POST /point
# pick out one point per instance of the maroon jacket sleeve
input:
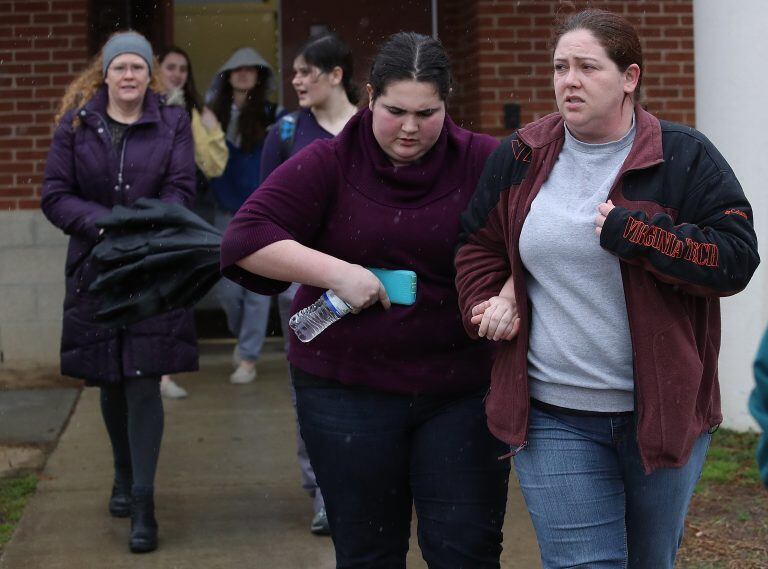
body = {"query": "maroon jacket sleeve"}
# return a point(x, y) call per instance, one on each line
point(290, 204)
point(61, 201)
point(482, 259)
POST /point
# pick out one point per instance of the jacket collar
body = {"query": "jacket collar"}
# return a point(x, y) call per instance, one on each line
point(98, 104)
point(646, 149)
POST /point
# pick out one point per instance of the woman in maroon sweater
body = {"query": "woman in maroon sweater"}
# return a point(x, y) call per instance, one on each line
point(389, 398)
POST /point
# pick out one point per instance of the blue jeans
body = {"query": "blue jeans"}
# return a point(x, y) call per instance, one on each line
point(377, 455)
point(591, 504)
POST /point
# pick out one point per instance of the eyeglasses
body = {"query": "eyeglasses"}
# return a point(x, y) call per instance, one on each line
point(122, 68)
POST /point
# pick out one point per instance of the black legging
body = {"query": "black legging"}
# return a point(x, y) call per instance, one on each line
point(133, 414)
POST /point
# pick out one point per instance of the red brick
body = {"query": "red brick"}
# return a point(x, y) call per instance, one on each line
point(678, 56)
point(64, 5)
point(645, 33)
point(28, 204)
point(663, 93)
point(16, 193)
point(521, 94)
point(29, 6)
point(48, 43)
point(662, 20)
point(17, 19)
point(50, 68)
point(55, 18)
point(31, 155)
point(678, 105)
point(35, 55)
point(68, 30)
point(31, 31)
point(50, 93)
point(43, 105)
point(16, 94)
point(43, 118)
point(44, 142)
point(662, 44)
point(534, 81)
point(678, 80)
point(642, 7)
point(17, 168)
point(678, 32)
point(33, 80)
point(516, 70)
point(15, 43)
point(13, 143)
point(533, 33)
point(661, 68)
point(9, 205)
point(514, 21)
point(650, 80)
point(678, 8)
point(13, 69)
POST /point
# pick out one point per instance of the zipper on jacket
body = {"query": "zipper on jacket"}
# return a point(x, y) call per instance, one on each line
point(122, 163)
point(105, 126)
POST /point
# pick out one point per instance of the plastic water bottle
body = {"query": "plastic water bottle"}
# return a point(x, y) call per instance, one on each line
point(310, 321)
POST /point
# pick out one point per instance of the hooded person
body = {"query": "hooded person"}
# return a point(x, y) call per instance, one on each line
point(238, 98)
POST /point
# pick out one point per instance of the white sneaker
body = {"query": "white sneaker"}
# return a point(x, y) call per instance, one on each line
point(171, 390)
point(243, 375)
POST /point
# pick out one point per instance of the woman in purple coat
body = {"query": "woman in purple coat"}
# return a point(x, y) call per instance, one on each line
point(116, 142)
point(389, 399)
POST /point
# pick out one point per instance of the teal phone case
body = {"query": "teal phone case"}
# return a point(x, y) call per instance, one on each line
point(400, 284)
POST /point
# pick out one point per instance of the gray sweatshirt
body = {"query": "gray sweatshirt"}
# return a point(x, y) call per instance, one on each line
point(580, 354)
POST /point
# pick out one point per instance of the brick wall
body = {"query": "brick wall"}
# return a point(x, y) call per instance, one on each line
point(499, 50)
point(457, 21)
point(509, 61)
point(42, 46)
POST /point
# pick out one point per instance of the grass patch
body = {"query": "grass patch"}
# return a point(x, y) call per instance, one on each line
point(731, 460)
point(14, 493)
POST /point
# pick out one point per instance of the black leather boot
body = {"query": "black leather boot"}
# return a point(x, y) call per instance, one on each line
point(143, 524)
point(120, 501)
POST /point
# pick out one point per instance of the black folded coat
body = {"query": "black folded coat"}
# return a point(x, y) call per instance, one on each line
point(153, 258)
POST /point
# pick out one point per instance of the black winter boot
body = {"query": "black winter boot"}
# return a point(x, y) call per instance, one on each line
point(143, 524)
point(120, 501)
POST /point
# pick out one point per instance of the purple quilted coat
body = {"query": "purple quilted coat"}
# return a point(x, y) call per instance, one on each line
point(84, 178)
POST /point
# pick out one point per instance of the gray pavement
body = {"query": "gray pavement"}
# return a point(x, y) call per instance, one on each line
point(228, 488)
point(34, 416)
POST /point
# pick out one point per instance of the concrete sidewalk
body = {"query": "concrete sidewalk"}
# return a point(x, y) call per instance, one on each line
point(228, 488)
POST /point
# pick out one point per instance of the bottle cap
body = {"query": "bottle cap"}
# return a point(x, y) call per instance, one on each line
point(336, 304)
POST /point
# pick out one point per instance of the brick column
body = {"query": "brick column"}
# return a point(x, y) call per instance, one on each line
point(43, 46)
